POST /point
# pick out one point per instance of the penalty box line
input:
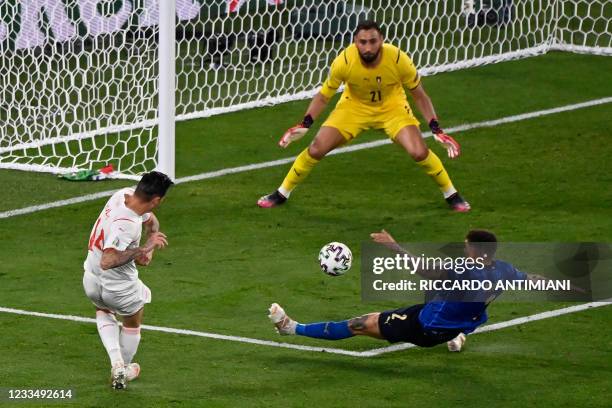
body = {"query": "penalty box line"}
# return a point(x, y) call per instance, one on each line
point(280, 162)
point(331, 350)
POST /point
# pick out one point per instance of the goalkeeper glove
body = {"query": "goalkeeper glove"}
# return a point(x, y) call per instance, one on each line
point(296, 132)
point(450, 144)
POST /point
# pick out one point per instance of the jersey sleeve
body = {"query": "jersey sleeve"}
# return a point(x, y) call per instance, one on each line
point(337, 75)
point(517, 275)
point(146, 217)
point(508, 272)
point(122, 234)
point(408, 73)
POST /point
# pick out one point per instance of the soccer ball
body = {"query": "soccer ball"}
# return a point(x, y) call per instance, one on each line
point(335, 258)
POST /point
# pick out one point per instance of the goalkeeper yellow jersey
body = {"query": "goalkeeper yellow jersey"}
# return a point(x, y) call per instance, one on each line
point(378, 87)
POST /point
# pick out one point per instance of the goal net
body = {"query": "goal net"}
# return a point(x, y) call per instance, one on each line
point(584, 26)
point(80, 79)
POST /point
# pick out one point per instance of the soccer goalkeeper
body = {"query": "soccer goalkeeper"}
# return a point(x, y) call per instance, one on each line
point(374, 74)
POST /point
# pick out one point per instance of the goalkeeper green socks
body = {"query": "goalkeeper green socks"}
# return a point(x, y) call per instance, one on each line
point(302, 166)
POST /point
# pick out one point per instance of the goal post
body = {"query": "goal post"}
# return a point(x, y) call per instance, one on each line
point(86, 83)
point(167, 79)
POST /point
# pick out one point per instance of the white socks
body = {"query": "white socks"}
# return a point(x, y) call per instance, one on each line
point(129, 340)
point(449, 192)
point(108, 329)
point(286, 193)
point(120, 347)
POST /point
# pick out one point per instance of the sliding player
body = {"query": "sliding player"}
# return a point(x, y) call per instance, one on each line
point(442, 319)
point(374, 74)
point(111, 278)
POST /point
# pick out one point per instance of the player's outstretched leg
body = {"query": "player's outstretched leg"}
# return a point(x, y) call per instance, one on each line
point(411, 140)
point(284, 324)
point(325, 141)
point(366, 325)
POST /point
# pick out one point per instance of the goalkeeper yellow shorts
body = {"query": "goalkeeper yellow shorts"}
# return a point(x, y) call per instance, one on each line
point(351, 118)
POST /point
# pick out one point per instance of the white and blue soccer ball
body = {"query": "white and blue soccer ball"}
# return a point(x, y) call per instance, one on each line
point(335, 258)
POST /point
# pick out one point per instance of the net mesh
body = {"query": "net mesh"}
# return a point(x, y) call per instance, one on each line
point(78, 78)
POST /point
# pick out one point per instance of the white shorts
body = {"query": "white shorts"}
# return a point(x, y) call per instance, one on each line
point(124, 303)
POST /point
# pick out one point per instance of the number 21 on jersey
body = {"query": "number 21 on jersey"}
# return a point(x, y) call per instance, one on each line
point(377, 95)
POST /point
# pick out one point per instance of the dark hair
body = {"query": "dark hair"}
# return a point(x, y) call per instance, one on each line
point(368, 25)
point(153, 184)
point(483, 241)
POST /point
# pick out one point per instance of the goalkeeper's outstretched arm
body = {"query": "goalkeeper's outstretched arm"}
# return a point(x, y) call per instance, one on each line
point(423, 103)
point(317, 105)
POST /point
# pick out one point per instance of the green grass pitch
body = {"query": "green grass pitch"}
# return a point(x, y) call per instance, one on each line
point(543, 179)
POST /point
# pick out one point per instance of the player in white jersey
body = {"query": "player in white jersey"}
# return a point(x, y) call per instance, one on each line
point(111, 278)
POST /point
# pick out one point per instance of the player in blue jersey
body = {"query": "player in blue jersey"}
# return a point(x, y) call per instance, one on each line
point(445, 318)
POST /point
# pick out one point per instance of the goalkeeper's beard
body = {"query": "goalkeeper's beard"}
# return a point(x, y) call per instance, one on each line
point(369, 58)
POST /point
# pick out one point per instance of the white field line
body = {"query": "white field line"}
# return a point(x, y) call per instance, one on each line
point(190, 333)
point(368, 353)
point(280, 162)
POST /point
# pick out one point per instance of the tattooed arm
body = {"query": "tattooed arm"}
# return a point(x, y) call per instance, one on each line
point(111, 258)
